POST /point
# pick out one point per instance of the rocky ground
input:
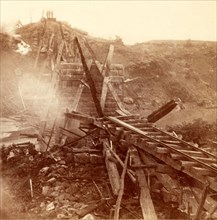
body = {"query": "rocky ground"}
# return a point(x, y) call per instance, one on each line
point(55, 185)
point(61, 184)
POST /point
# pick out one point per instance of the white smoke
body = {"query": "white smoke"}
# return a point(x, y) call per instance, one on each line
point(21, 46)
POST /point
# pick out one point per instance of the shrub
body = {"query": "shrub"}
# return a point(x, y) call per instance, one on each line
point(198, 129)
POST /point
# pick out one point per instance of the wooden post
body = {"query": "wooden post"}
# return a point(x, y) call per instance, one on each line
point(104, 92)
point(130, 173)
point(120, 105)
point(121, 191)
point(146, 203)
point(108, 60)
point(202, 201)
point(111, 166)
point(90, 81)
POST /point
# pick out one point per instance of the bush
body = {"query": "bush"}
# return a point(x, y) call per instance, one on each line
point(198, 129)
point(145, 69)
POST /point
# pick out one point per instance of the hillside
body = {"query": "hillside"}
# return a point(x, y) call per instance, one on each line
point(74, 171)
point(163, 70)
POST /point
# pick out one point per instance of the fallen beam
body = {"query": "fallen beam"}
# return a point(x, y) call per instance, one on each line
point(121, 191)
point(146, 203)
point(90, 81)
point(113, 173)
point(161, 112)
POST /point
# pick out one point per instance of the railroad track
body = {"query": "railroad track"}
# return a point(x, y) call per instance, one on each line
point(182, 156)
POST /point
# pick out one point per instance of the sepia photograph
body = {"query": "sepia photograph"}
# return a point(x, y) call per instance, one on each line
point(108, 109)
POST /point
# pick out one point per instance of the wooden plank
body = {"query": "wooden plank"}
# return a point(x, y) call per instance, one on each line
point(120, 105)
point(130, 173)
point(121, 191)
point(113, 173)
point(168, 160)
point(210, 204)
point(104, 92)
point(107, 63)
point(171, 141)
point(128, 117)
point(140, 125)
point(161, 112)
point(188, 163)
point(202, 171)
point(186, 144)
point(171, 184)
point(206, 160)
point(146, 203)
point(192, 153)
point(202, 201)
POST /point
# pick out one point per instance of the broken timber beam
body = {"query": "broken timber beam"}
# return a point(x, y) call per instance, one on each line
point(202, 201)
point(162, 111)
point(113, 173)
point(114, 94)
point(146, 203)
point(121, 191)
point(90, 81)
point(104, 92)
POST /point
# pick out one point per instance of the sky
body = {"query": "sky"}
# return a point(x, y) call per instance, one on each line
point(133, 21)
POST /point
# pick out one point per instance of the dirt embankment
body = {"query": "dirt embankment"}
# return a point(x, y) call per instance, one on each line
point(163, 70)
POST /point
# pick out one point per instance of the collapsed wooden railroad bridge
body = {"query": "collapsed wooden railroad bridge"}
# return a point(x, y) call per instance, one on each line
point(92, 94)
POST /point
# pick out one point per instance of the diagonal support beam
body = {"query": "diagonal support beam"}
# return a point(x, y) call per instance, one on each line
point(120, 105)
point(90, 81)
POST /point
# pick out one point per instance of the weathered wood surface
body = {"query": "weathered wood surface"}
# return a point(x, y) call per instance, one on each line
point(90, 81)
point(104, 92)
point(121, 191)
point(173, 154)
point(145, 197)
point(114, 176)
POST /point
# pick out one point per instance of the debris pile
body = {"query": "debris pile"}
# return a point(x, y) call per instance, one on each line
point(53, 184)
point(99, 160)
point(68, 183)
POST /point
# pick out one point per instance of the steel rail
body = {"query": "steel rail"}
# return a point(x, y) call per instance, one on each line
point(186, 143)
point(144, 134)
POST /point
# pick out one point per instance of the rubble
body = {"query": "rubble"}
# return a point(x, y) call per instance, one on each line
point(56, 183)
point(92, 158)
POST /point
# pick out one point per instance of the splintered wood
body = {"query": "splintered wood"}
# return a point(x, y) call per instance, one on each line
point(146, 203)
point(121, 191)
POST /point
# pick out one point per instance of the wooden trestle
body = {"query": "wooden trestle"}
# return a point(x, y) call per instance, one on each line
point(182, 156)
